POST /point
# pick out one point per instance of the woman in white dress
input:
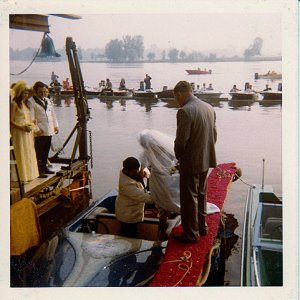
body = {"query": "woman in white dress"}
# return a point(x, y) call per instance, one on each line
point(22, 133)
point(158, 155)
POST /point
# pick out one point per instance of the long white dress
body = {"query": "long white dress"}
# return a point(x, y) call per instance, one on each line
point(23, 143)
point(158, 153)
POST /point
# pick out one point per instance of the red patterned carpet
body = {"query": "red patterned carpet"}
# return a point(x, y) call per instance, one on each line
point(183, 263)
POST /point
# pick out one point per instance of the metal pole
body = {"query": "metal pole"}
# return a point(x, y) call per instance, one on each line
point(263, 175)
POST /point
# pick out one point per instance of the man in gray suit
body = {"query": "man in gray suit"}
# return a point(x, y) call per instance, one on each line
point(195, 150)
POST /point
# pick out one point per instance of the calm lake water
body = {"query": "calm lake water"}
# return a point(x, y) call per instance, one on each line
point(246, 134)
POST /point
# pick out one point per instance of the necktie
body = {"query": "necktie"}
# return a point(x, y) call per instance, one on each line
point(45, 103)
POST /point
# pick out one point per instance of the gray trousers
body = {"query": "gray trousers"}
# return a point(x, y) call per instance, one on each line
point(193, 203)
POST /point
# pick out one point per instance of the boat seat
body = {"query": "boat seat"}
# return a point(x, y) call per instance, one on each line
point(96, 212)
point(273, 228)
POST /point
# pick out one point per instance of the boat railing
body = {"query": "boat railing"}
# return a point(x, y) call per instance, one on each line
point(255, 263)
point(246, 236)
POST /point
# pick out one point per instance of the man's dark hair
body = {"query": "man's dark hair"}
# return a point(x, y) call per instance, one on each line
point(182, 87)
point(39, 84)
point(131, 163)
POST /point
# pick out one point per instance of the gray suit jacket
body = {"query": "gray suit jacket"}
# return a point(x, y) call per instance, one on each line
point(196, 136)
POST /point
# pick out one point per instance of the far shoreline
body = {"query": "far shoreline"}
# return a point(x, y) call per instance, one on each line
point(223, 59)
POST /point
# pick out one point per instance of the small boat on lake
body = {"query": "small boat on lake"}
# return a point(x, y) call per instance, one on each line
point(270, 75)
point(244, 96)
point(146, 94)
point(70, 93)
point(208, 95)
point(165, 93)
point(272, 95)
point(262, 261)
point(116, 94)
point(198, 71)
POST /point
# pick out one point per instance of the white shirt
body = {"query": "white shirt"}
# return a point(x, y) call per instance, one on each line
point(45, 119)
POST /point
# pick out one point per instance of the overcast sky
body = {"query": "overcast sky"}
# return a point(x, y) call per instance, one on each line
point(193, 30)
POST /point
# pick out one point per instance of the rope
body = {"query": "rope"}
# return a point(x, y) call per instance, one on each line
point(223, 173)
point(251, 185)
point(185, 264)
point(38, 51)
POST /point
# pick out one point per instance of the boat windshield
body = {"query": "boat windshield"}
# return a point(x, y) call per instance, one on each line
point(270, 225)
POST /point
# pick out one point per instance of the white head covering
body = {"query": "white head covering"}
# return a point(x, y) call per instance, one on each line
point(158, 150)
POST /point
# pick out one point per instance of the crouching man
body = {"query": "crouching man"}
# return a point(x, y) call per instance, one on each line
point(132, 197)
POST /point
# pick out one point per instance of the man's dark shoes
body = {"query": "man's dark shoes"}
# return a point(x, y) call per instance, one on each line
point(181, 238)
point(43, 175)
point(48, 171)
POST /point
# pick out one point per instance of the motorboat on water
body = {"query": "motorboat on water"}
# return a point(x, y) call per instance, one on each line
point(207, 95)
point(89, 251)
point(272, 95)
point(262, 262)
point(89, 92)
point(116, 94)
point(270, 75)
point(244, 96)
point(198, 71)
point(165, 93)
point(146, 94)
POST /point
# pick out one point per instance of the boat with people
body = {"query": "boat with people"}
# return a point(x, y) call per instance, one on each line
point(90, 252)
point(269, 75)
point(262, 261)
point(198, 71)
point(247, 95)
point(90, 92)
point(271, 95)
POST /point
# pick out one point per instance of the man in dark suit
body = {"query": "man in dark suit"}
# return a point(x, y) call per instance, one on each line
point(195, 150)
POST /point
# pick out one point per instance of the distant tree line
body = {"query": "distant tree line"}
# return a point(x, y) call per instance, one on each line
point(128, 49)
point(131, 49)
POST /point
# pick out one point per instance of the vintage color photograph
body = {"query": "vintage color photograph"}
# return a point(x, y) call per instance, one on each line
point(151, 148)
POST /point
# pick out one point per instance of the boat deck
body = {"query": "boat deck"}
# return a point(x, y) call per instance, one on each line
point(46, 191)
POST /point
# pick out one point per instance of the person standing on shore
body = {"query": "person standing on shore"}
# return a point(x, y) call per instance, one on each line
point(194, 148)
point(46, 124)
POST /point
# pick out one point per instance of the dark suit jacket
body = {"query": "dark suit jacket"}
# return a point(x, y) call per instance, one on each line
point(196, 136)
